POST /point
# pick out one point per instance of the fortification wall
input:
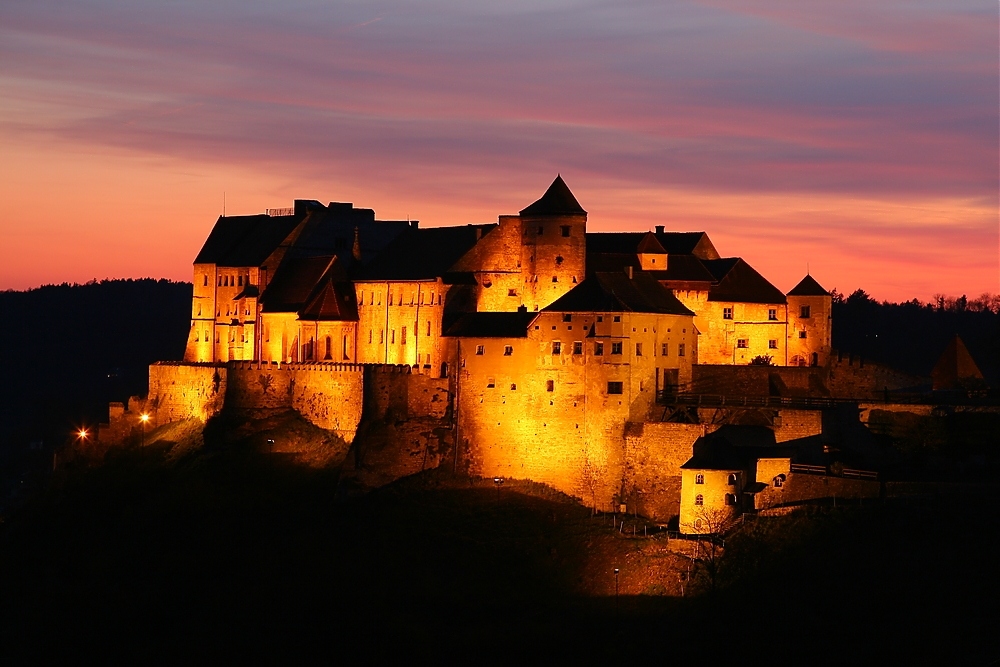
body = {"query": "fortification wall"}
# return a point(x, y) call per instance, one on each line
point(755, 380)
point(793, 424)
point(654, 453)
point(179, 391)
point(801, 487)
point(853, 377)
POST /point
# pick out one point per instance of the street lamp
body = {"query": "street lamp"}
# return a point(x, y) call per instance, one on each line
point(82, 434)
point(498, 481)
point(144, 418)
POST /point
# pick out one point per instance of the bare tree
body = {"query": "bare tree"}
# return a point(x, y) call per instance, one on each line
point(711, 525)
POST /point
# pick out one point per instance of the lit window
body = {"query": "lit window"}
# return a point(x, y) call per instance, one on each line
point(616, 348)
point(802, 334)
point(680, 349)
point(615, 388)
point(578, 347)
point(727, 313)
point(772, 313)
point(556, 347)
point(598, 349)
point(772, 344)
point(804, 312)
point(741, 343)
point(480, 350)
point(550, 385)
point(638, 349)
point(699, 479)
point(508, 350)
point(699, 500)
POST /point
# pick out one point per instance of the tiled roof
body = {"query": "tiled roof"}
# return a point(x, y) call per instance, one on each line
point(954, 365)
point(616, 292)
point(423, 254)
point(492, 325)
point(739, 282)
point(685, 268)
point(808, 287)
point(557, 200)
point(245, 240)
point(293, 283)
point(615, 242)
point(687, 243)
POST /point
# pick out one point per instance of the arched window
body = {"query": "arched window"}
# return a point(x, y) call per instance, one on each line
point(732, 479)
point(329, 353)
point(699, 500)
point(731, 499)
point(778, 481)
point(699, 479)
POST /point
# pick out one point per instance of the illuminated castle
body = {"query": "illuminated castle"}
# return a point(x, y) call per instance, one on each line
point(543, 351)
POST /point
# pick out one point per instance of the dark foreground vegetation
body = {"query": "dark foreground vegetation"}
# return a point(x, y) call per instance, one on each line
point(228, 556)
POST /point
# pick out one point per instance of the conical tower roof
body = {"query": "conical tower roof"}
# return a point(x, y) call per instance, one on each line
point(955, 364)
point(557, 200)
point(808, 287)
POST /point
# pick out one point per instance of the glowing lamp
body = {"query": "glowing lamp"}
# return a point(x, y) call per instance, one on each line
point(144, 417)
point(82, 433)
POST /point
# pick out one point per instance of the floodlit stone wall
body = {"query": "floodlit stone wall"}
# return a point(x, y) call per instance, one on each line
point(400, 322)
point(654, 453)
point(810, 320)
point(180, 391)
point(709, 499)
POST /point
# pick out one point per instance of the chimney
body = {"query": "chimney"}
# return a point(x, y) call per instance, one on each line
point(522, 308)
point(659, 229)
point(414, 224)
point(479, 233)
point(628, 270)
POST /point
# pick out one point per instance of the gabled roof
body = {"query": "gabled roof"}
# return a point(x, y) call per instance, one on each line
point(423, 254)
point(616, 292)
point(245, 240)
point(739, 282)
point(808, 287)
point(492, 325)
point(557, 200)
point(685, 268)
point(688, 243)
point(293, 283)
point(331, 300)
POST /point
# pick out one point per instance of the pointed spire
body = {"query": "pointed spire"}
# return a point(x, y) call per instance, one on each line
point(557, 200)
point(808, 287)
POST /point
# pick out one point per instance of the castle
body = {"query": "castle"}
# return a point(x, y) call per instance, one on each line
point(543, 351)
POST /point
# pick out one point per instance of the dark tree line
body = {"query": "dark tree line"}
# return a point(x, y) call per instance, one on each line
point(911, 336)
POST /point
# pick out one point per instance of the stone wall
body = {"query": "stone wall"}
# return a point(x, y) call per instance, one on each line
point(179, 391)
point(654, 453)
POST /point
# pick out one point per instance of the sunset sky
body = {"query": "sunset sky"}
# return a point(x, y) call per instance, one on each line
point(856, 137)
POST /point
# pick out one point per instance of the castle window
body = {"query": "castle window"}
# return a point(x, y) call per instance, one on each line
point(550, 385)
point(512, 292)
point(699, 500)
point(490, 383)
point(329, 349)
point(390, 298)
point(513, 387)
point(680, 349)
point(428, 327)
point(480, 350)
point(638, 349)
point(616, 348)
point(598, 349)
point(369, 336)
point(664, 348)
point(731, 499)
point(199, 310)
point(402, 336)
point(732, 479)
point(802, 334)
point(381, 336)
point(206, 280)
point(617, 318)
point(541, 230)
point(699, 479)
point(600, 318)
point(567, 317)
point(508, 350)
point(741, 343)
point(392, 336)
point(772, 314)
point(772, 344)
point(727, 313)
point(241, 281)
point(565, 230)
point(555, 279)
point(778, 481)
point(804, 312)
point(556, 347)
point(615, 388)
point(578, 347)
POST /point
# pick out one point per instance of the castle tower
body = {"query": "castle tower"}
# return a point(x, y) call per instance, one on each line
point(810, 314)
point(553, 246)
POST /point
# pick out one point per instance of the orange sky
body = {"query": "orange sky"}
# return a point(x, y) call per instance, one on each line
point(858, 140)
